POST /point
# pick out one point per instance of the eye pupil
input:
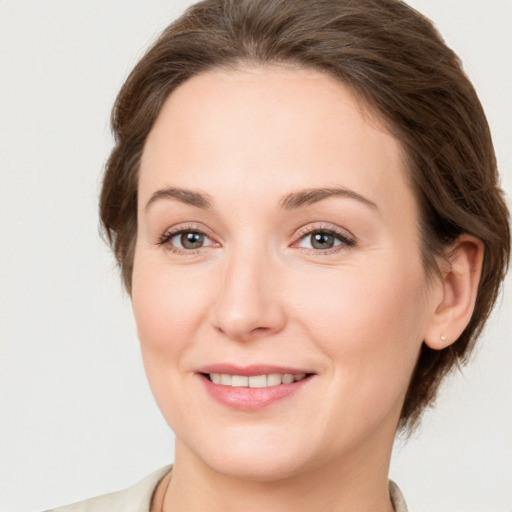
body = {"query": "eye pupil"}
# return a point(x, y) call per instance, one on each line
point(192, 240)
point(322, 240)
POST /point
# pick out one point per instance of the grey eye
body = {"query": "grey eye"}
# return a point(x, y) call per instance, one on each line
point(188, 240)
point(322, 240)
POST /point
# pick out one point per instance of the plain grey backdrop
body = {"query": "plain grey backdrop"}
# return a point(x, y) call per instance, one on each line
point(76, 415)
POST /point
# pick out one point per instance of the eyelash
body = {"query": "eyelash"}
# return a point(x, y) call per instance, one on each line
point(168, 235)
point(347, 241)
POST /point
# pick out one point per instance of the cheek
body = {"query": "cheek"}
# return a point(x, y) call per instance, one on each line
point(369, 322)
point(168, 306)
point(360, 302)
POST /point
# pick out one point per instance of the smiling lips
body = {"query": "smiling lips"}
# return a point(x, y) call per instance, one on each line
point(255, 381)
point(251, 388)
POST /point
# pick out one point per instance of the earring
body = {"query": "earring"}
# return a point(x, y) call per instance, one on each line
point(443, 338)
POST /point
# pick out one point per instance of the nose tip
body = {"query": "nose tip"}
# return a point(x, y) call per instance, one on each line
point(248, 303)
point(241, 326)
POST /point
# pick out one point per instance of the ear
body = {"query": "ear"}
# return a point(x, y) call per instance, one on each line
point(458, 287)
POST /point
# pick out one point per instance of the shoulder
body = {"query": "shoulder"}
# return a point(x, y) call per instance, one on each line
point(136, 498)
point(397, 498)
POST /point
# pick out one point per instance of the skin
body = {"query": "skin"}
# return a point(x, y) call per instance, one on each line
point(258, 292)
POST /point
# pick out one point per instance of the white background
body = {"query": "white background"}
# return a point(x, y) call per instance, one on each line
point(76, 415)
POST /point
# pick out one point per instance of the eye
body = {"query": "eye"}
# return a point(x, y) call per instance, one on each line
point(188, 240)
point(184, 240)
point(325, 239)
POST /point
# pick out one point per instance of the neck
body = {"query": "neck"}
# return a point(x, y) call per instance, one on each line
point(354, 484)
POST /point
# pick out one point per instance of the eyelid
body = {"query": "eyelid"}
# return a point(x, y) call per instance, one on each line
point(346, 237)
point(172, 231)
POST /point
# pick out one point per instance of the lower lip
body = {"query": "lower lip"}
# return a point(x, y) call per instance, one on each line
point(251, 399)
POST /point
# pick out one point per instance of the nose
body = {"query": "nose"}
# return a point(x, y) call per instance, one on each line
point(248, 303)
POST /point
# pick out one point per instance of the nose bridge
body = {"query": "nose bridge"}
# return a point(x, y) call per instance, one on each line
point(247, 302)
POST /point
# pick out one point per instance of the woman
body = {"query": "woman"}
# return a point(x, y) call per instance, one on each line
point(303, 201)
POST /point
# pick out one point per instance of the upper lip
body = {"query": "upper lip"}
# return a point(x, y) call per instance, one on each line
point(250, 370)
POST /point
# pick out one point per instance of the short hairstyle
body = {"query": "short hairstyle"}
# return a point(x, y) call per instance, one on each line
point(396, 63)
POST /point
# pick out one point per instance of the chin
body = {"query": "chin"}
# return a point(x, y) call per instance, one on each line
point(253, 458)
point(269, 468)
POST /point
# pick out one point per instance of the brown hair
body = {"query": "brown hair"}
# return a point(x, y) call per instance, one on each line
point(397, 63)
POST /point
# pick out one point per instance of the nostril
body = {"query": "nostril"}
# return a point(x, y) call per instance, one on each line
point(260, 329)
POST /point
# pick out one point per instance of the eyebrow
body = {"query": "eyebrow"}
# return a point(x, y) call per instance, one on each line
point(313, 195)
point(289, 202)
point(197, 199)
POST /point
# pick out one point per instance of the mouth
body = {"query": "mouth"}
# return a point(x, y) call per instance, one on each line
point(254, 381)
point(252, 388)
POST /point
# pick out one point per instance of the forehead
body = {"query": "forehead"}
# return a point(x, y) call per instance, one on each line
point(290, 127)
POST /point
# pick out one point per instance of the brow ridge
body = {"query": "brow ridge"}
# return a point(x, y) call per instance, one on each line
point(290, 201)
point(313, 195)
point(191, 197)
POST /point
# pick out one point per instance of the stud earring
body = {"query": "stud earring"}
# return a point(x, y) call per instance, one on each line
point(443, 338)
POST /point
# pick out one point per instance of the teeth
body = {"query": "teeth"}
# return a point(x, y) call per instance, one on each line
point(288, 378)
point(274, 379)
point(255, 381)
point(258, 381)
point(225, 379)
point(238, 381)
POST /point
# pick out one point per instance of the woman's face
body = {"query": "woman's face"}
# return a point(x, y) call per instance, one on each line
point(277, 241)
